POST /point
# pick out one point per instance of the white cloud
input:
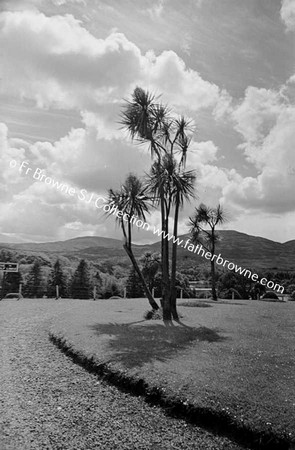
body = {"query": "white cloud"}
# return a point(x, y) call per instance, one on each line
point(105, 121)
point(257, 113)
point(8, 152)
point(81, 160)
point(58, 63)
point(267, 225)
point(202, 153)
point(183, 87)
point(288, 13)
point(84, 160)
point(223, 108)
point(266, 121)
point(210, 179)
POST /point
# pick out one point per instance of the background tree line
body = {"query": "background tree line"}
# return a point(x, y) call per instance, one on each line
point(39, 282)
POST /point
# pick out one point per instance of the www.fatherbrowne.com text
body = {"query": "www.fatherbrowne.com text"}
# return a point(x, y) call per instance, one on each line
point(101, 203)
point(188, 245)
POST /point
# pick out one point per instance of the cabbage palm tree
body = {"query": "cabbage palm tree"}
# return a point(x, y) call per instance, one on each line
point(158, 184)
point(150, 122)
point(177, 185)
point(131, 200)
point(205, 216)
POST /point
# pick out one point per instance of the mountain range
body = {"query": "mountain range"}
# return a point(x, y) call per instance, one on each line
point(245, 250)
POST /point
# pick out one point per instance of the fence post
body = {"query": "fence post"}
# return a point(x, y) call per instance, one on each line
point(3, 285)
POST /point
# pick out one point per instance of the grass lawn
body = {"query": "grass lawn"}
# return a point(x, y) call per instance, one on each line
point(236, 357)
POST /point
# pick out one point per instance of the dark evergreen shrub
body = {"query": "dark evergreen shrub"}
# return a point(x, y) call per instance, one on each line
point(270, 294)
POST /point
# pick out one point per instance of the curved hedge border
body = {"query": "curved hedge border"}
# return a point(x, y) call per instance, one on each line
point(218, 422)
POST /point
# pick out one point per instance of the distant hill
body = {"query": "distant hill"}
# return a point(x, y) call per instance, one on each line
point(247, 251)
point(240, 248)
point(71, 245)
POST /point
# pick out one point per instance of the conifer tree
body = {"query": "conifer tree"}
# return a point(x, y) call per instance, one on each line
point(57, 278)
point(81, 286)
point(134, 287)
point(33, 287)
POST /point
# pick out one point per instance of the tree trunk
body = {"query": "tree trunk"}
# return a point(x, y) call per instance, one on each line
point(145, 287)
point(173, 295)
point(214, 294)
point(213, 281)
point(165, 268)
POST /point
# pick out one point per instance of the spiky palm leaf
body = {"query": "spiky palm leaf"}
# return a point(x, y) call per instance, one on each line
point(206, 216)
point(167, 177)
point(144, 118)
point(182, 127)
point(131, 199)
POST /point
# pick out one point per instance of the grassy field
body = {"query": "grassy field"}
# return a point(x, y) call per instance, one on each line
point(235, 357)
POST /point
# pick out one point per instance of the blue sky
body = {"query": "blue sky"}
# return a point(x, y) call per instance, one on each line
point(65, 67)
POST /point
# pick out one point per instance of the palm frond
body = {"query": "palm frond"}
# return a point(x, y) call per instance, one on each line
point(132, 199)
point(137, 115)
point(206, 216)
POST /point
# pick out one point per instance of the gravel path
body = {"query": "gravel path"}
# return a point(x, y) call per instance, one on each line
point(48, 402)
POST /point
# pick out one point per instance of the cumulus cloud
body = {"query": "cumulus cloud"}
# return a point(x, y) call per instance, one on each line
point(257, 113)
point(202, 152)
point(82, 160)
point(210, 179)
point(266, 121)
point(56, 62)
point(288, 13)
point(183, 87)
point(9, 179)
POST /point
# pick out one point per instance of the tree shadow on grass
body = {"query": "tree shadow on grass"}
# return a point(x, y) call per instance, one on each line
point(136, 345)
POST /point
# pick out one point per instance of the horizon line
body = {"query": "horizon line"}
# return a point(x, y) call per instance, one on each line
point(3, 243)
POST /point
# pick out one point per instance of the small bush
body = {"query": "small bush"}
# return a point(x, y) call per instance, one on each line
point(110, 286)
point(156, 315)
point(292, 296)
point(270, 294)
point(153, 315)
